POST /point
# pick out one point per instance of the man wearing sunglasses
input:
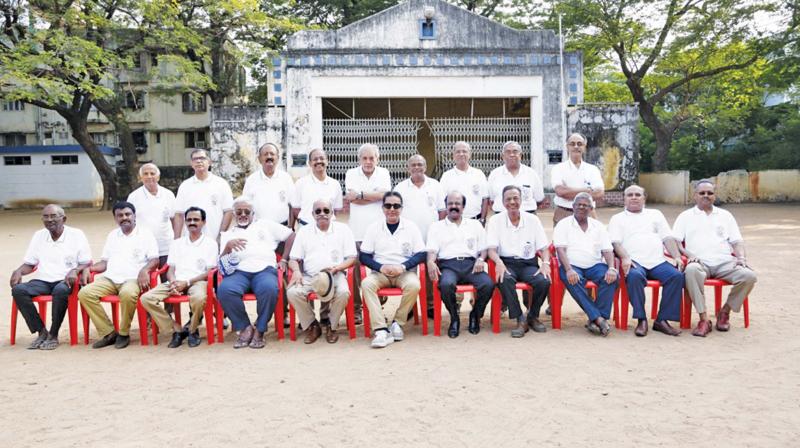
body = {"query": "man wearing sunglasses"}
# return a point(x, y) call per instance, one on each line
point(207, 191)
point(574, 176)
point(710, 234)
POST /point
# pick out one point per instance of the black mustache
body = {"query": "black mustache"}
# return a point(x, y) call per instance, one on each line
point(454, 209)
point(269, 160)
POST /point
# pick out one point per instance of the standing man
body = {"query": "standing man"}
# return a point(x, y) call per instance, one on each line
point(155, 207)
point(325, 248)
point(711, 234)
point(459, 246)
point(392, 249)
point(514, 172)
point(585, 253)
point(639, 236)
point(130, 253)
point(58, 253)
point(469, 181)
point(574, 176)
point(316, 185)
point(205, 190)
point(190, 258)
point(514, 239)
point(271, 190)
point(365, 185)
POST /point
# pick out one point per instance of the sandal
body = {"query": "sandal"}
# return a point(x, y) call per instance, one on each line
point(49, 344)
point(605, 328)
point(36, 343)
point(244, 338)
point(258, 340)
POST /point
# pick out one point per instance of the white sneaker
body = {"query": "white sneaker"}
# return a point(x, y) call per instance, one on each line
point(382, 339)
point(397, 331)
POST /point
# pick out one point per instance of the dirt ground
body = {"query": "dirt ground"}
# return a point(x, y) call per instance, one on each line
point(561, 388)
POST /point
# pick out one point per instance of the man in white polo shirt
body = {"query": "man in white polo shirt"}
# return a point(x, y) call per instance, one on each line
point(316, 185)
point(574, 176)
point(58, 253)
point(130, 253)
point(585, 253)
point(207, 191)
point(514, 239)
point(514, 172)
point(710, 235)
point(325, 246)
point(190, 258)
point(270, 189)
point(155, 207)
point(392, 248)
point(639, 236)
point(469, 181)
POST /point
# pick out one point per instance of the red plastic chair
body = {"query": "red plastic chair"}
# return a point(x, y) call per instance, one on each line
point(219, 313)
point(655, 292)
point(717, 284)
point(394, 292)
point(460, 289)
point(114, 301)
point(497, 299)
point(350, 311)
point(42, 301)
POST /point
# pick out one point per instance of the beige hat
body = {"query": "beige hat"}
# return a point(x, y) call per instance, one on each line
point(322, 284)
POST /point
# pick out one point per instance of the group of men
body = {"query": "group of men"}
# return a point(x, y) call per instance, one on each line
point(278, 223)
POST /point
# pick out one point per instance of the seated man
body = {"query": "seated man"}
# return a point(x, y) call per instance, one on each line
point(130, 253)
point(711, 234)
point(190, 258)
point(582, 244)
point(58, 253)
point(459, 246)
point(325, 247)
point(391, 249)
point(514, 239)
point(639, 236)
point(249, 248)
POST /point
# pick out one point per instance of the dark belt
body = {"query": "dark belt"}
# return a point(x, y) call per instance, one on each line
point(460, 258)
point(564, 208)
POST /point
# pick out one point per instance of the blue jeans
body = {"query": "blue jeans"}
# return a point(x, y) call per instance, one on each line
point(605, 291)
point(671, 280)
point(265, 286)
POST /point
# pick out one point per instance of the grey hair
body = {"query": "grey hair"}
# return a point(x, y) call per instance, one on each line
point(365, 147)
point(141, 168)
point(511, 143)
point(462, 143)
point(58, 208)
point(578, 134)
point(195, 151)
point(634, 186)
point(704, 181)
point(583, 195)
point(243, 200)
point(417, 156)
point(268, 144)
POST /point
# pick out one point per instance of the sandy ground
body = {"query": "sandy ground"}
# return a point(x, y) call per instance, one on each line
point(562, 388)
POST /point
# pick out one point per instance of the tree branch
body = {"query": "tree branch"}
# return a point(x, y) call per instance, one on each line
point(661, 93)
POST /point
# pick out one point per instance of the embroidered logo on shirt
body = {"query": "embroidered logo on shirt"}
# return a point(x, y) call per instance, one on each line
point(165, 215)
point(527, 250)
point(282, 196)
point(406, 249)
point(335, 255)
point(720, 231)
point(430, 201)
point(526, 192)
point(261, 235)
point(476, 189)
point(201, 264)
point(655, 227)
point(471, 243)
point(137, 254)
point(69, 261)
point(214, 199)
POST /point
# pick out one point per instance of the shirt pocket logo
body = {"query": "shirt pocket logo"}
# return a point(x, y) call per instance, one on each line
point(406, 248)
point(69, 262)
point(282, 196)
point(335, 256)
point(476, 189)
point(471, 243)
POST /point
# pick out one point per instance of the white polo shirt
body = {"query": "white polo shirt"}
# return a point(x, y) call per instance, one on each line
point(566, 173)
point(710, 237)
point(192, 258)
point(471, 183)
point(450, 240)
point(422, 204)
point(271, 196)
point(362, 215)
point(262, 238)
point(520, 241)
point(583, 248)
point(126, 255)
point(320, 250)
point(641, 234)
point(392, 248)
point(212, 195)
point(53, 259)
point(526, 179)
point(309, 189)
point(154, 211)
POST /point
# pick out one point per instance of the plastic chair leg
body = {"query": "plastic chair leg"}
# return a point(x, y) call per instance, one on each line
point(72, 317)
point(496, 311)
point(218, 319)
point(437, 310)
point(292, 323)
point(13, 322)
point(366, 323)
point(43, 312)
point(717, 299)
point(141, 313)
point(686, 311)
point(746, 312)
point(423, 305)
point(279, 316)
point(655, 292)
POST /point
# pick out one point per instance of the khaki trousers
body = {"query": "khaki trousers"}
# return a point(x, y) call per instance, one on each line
point(407, 281)
point(743, 279)
point(152, 301)
point(298, 297)
point(90, 296)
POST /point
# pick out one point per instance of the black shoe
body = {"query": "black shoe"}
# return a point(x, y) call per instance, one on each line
point(122, 341)
point(548, 312)
point(194, 339)
point(455, 325)
point(177, 338)
point(357, 318)
point(474, 324)
point(107, 340)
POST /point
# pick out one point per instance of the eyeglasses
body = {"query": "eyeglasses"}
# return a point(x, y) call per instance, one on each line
point(322, 211)
point(199, 159)
point(243, 211)
point(705, 193)
point(578, 144)
point(393, 206)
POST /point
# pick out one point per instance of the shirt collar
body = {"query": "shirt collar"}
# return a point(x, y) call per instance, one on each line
point(400, 225)
point(510, 225)
point(697, 210)
point(317, 181)
point(589, 220)
point(575, 167)
point(263, 176)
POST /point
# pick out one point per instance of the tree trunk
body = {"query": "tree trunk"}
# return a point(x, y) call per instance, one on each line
point(108, 176)
point(130, 159)
point(661, 133)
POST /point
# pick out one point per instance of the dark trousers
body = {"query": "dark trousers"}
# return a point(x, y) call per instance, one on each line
point(605, 291)
point(24, 293)
point(263, 284)
point(671, 280)
point(456, 271)
point(523, 270)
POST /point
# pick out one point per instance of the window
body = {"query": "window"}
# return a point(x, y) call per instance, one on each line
point(13, 105)
point(64, 160)
point(134, 100)
point(195, 139)
point(13, 139)
point(154, 60)
point(139, 141)
point(137, 61)
point(194, 103)
point(158, 137)
point(17, 160)
point(99, 138)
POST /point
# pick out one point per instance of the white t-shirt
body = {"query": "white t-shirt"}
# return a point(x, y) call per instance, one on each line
point(392, 248)
point(526, 179)
point(126, 255)
point(212, 195)
point(471, 183)
point(450, 240)
point(566, 173)
point(584, 249)
point(262, 238)
point(192, 258)
point(320, 250)
point(271, 196)
point(362, 215)
point(710, 237)
point(53, 259)
point(310, 189)
point(421, 205)
point(154, 211)
point(641, 234)
point(520, 241)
